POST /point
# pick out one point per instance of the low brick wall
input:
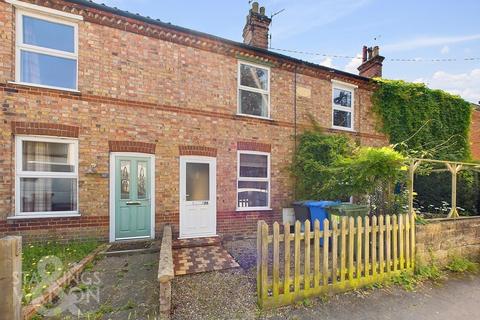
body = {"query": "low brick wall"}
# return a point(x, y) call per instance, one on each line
point(446, 238)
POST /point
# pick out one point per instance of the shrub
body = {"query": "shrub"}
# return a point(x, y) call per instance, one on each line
point(460, 265)
point(333, 168)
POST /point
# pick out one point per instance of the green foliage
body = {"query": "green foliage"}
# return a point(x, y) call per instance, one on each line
point(406, 280)
point(434, 192)
point(429, 272)
point(316, 152)
point(367, 169)
point(34, 254)
point(422, 122)
point(461, 265)
point(331, 167)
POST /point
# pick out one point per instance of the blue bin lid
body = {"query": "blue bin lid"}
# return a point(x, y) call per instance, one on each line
point(321, 204)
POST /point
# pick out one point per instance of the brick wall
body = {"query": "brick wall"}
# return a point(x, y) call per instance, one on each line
point(445, 239)
point(168, 96)
point(475, 134)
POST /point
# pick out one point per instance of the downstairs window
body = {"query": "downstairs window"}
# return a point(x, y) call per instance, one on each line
point(46, 176)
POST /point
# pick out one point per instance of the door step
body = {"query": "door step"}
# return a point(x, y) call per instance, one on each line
point(196, 242)
point(137, 246)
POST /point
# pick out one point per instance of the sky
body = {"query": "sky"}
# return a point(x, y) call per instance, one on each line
point(422, 30)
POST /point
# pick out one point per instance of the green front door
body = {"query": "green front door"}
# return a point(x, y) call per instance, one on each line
point(132, 197)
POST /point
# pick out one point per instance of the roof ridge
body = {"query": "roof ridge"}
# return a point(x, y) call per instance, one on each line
point(158, 22)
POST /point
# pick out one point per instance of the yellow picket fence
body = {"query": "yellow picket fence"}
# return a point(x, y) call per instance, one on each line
point(345, 255)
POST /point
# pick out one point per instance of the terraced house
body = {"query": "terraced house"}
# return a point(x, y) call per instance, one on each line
point(113, 124)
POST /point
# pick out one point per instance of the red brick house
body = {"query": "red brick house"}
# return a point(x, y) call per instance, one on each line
point(113, 124)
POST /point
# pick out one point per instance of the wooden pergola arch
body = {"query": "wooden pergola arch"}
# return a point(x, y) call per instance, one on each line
point(453, 166)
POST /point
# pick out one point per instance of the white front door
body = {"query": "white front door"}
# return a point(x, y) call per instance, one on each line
point(198, 197)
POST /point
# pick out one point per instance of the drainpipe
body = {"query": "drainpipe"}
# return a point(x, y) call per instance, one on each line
point(295, 126)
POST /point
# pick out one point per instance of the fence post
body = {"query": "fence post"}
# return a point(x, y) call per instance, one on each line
point(454, 169)
point(388, 244)
point(381, 253)
point(11, 278)
point(366, 257)
point(286, 244)
point(351, 246)
point(358, 249)
point(334, 251)
point(306, 242)
point(400, 241)
point(412, 241)
point(264, 292)
point(374, 247)
point(326, 233)
point(259, 262)
point(296, 279)
point(411, 176)
point(276, 258)
point(316, 253)
point(395, 243)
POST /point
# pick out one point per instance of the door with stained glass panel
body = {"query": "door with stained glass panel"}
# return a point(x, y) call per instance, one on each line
point(132, 197)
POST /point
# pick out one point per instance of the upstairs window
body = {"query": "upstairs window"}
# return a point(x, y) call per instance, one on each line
point(46, 176)
point(253, 184)
point(253, 90)
point(46, 51)
point(342, 106)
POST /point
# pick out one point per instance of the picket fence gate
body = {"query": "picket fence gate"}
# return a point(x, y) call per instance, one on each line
point(347, 254)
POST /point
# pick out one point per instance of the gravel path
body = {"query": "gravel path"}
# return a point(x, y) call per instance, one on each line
point(231, 294)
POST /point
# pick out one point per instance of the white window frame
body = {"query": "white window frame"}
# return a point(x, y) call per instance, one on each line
point(259, 179)
point(256, 90)
point(20, 173)
point(346, 87)
point(19, 45)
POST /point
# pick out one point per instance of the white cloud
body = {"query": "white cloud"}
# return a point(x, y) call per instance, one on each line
point(423, 42)
point(327, 62)
point(466, 85)
point(445, 50)
point(353, 64)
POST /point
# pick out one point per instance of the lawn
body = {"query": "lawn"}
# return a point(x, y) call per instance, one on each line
point(43, 263)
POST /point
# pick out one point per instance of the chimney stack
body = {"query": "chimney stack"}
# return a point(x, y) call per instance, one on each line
point(371, 66)
point(255, 32)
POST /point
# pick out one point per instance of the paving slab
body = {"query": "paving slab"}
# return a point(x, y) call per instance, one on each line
point(114, 287)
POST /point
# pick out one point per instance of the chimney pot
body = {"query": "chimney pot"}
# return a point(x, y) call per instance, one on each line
point(364, 54)
point(262, 11)
point(375, 51)
point(255, 7)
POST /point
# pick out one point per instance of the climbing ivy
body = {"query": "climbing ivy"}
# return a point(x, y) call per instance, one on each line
point(423, 122)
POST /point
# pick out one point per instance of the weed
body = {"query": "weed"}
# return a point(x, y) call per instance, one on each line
point(128, 306)
point(406, 280)
point(430, 272)
point(460, 265)
point(33, 254)
point(307, 303)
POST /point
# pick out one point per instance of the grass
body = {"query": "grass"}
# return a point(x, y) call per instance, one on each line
point(461, 265)
point(432, 272)
point(44, 263)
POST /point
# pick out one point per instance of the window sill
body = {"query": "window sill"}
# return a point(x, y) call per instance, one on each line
point(252, 116)
point(343, 129)
point(252, 209)
point(44, 216)
point(34, 85)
